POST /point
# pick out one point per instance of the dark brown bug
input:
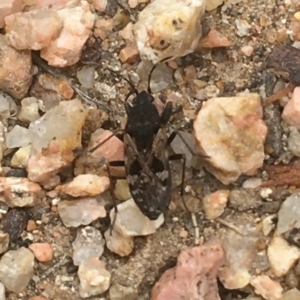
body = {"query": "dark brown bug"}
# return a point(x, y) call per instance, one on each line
point(146, 157)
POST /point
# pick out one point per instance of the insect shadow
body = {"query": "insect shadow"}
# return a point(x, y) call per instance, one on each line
point(147, 162)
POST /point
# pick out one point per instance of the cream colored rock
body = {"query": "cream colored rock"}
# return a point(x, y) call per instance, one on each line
point(8, 7)
point(213, 4)
point(215, 203)
point(21, 157)
point(128, 211)
point(266, 287)
point(169, 29)
point(231, 132)
point(282, 256)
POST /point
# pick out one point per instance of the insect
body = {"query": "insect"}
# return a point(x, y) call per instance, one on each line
point(146, 161)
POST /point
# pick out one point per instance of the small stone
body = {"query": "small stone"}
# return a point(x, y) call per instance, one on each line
point(129, 54)
point(103, 28)
point(169, 29)
point(100, 5)
point(33, 29)
point(247, 50)
point(268, 225)
point(66, 49)
point(15, 70)
point(179, 146)
point(127, 32)
point(213, 4)
point(252, 183)
point(51, 183)
point(7, 8)
point(243, 27)
point(14, 223)
point(244, 199)
point(194, 277)
point(59, 141)
point(234, 124)
point(282, 256)
point(215, 203)
point(293, 294)
point(121, 292)
point(29, 110)
point(21, 157)
point(94, 278)
point(122, 191)
point(294, 141)
point(88, 243)
point(289, 214)
point(215, 39)
point(38, 298)
point(2, 292)
point(85, 185)
point(267, 288)
point(31, 225)
point(43, 252)
point(118, 244)
point(19, 192)
point(16, 269)
point(4, 242)
point(17, 137)
point(86, 76)
point(291, 112)
point(80, 212)
point(127, 212)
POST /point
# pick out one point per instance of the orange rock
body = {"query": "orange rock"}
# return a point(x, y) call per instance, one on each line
point(129, 54)
point(43, 252)
point(31, 225)
point(215, 39)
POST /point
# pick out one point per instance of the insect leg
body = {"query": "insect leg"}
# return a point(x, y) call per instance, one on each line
point(105, 140)
point(112, 179)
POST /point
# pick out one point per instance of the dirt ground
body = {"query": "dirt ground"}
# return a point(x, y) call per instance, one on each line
point(231, 71)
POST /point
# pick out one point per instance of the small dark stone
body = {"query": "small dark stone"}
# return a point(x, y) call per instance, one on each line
point(17, 172)
point(14, 223)
point(71, 268)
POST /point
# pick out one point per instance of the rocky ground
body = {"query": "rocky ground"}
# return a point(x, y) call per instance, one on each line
point(241, 195)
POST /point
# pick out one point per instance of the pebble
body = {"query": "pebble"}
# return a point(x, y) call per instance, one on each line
point(51, 183)
point(100, 5)
point(291, 112)
point(118, 244)
point(235, 125)
point(213, 4)
point(282, 256)
point(289, 214)
point(94, 278)
point(38, 298)
point(4, 241)
point(18, 65)
point(215, 203)
point(2, 292)
point(14, 223)
point(80, 212)
point(59, 142)
point(21, 157)
point(169, 29)
point(178, 146)
point(121, 292)
point(16, 269)
point(294, 141)
point(122, 191)
point(66, 49)
point(195, 275)
point(129, 54)
point(243, 27)
point(31, 225)
point(9, 7)
point(89, 243)
point(127, 212)
point(85, 185)
point(17, 137)
point(86, 76)
point(29, 110)
point(293, 294)
point(247, 50)
point(214, 39)
point(33, 29)
point(19, 192)
point(43, 252)
point(266, 287)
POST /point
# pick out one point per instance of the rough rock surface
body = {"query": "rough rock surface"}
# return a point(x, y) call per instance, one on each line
point(194, 277)
point(169, 29)
point(231, 132)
